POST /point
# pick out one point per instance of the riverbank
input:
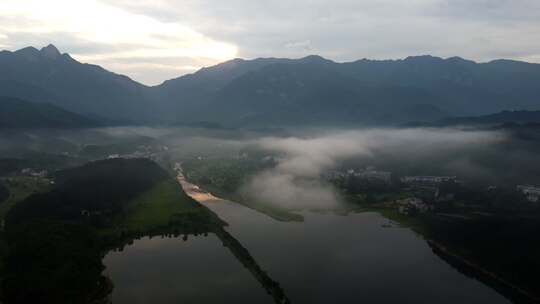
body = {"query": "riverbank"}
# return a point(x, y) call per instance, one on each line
point(209, 193)
point(432, 228)
point(426, 226)
point(472, 269)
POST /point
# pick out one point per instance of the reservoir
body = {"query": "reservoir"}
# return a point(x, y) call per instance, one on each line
point(328, 258)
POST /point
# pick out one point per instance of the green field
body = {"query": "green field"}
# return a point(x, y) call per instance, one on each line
point(19, 189)
point(155, 207)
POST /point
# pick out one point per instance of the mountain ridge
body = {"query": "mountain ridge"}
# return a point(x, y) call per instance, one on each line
point(18, 113)
point(279, 90)
point(77, 87)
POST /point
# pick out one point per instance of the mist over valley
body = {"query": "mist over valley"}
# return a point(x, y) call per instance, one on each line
point(286, 152)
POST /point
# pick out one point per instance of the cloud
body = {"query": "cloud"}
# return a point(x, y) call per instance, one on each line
point(350, 29)
point(302, 44)
point(493, 11)
point(294, 182)
point(307, 157)
point(118, 33)
point(289, 192)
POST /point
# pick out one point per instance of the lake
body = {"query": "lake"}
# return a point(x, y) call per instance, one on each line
point(328, 258)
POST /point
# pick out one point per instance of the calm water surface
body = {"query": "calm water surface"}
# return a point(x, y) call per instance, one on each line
point(326, 259)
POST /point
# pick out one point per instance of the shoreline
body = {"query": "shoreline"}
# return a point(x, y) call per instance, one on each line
point(204, 196)
point(464, 265)
point(461, 263)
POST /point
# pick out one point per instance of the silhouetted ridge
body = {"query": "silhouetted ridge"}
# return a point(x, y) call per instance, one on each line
point(50, 51)
point(279, 91)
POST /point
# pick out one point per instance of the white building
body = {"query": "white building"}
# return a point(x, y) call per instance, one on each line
point(531, 192)
point(427, 179)
point(374, 175)
point(34, 173)
point(411, 204)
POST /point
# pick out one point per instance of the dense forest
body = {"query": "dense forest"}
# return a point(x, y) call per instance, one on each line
point(507, 246)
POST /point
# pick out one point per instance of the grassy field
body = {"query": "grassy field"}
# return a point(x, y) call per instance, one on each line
point(163, 205)
point(156, 206)
point(19, 189)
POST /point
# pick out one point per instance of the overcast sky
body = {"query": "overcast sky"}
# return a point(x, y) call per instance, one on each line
point(154, 40)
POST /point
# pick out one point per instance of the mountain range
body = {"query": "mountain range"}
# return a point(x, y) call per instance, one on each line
point(499, 118)
point(275, 91)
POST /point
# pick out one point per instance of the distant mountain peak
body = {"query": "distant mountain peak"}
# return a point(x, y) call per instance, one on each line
point(424, 59)
point(50, 51)
point(27, 51)
point(459, 60)
point(456, 58)
point(314, 58)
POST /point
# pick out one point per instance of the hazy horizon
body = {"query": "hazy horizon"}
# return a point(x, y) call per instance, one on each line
point(256, 58)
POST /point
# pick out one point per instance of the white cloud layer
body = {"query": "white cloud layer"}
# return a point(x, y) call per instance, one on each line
point(294, 183)
point(202, 32)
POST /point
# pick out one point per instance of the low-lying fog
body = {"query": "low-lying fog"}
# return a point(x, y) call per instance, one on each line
point(477, 156)
point(294, 182)
point(488, 157)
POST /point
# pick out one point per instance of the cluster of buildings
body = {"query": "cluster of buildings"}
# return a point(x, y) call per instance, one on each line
point(430, 186)
point(427, 189)
point(427, 179)
point(531, 192)
point(34, 173)
point(142, 152)
point(369, 174)
point(413, 205)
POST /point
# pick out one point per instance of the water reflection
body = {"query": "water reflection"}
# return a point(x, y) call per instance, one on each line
point(327, 259)
point(242, 254)
point(331, 258)
point(196, 270)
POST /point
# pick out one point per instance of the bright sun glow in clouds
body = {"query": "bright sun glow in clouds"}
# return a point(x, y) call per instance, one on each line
point(117, 34)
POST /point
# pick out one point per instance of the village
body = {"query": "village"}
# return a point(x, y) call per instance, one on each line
point(408, 194)
point(413, 195)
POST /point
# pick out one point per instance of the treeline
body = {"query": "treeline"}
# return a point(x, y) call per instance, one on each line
point(507, 246)
point(53, 262)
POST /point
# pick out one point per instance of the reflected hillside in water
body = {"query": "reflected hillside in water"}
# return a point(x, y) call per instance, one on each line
point(203, 271)
point(100, 288)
